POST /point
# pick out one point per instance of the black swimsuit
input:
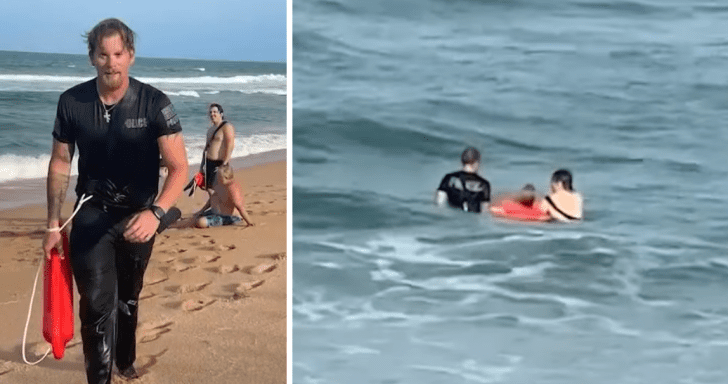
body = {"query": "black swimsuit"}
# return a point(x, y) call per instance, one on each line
point(566, 215)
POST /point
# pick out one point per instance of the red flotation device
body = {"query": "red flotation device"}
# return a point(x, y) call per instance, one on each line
point(58, 300)
point(513, 210)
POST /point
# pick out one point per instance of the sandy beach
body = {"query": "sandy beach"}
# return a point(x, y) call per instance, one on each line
point(213, 309)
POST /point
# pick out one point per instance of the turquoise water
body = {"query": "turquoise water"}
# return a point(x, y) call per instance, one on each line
point(630, 96)
point(253, 95)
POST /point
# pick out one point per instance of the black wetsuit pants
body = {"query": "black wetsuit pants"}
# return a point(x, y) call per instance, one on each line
point(211, 167)
point(109, 273)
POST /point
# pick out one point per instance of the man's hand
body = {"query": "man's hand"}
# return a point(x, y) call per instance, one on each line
point(51, 240)
point(141, 227)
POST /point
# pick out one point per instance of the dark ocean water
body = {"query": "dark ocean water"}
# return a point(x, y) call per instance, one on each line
point(253, 95)
point(631, 96)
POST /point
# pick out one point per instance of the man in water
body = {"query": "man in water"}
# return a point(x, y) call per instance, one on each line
point(121, 128)
point(465, 189)
point(220, 208)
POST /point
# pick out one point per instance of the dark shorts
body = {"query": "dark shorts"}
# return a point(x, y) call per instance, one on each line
point(210, 170)
point(216, 220)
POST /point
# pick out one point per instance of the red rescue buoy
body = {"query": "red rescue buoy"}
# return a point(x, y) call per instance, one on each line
point(58, 300)
point(200, 179)
point(513, 210)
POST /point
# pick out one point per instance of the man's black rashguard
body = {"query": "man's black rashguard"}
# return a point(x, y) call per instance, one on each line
point(465, 190)
point(118, 159)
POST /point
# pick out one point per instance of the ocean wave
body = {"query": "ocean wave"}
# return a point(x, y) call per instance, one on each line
point(184, 93)
point(265, 83)
point(18, 167)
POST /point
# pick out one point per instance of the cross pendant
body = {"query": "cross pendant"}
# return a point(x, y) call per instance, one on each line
point(107, 116)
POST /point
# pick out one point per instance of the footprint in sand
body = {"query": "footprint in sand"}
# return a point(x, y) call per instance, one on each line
point(223, 269)
point(263, 268)
point(211, 258)
point(250, 285)
point(187, 288)
point(196, 304)
point(146, 295)
point(229, 268)
point(183, 267)
point(240, 290)
point(155, 276)
point(39, 349)
point(153, 331)
point(143, 364)
point(8, 366)
point(267, 266)
point(274, 256)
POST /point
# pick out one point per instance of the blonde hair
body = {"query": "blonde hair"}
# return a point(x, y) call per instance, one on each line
point(225, 172)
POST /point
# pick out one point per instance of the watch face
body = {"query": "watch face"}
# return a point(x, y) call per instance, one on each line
point(159, 212)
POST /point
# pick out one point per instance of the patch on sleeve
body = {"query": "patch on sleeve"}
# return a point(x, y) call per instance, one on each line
point(170, 115)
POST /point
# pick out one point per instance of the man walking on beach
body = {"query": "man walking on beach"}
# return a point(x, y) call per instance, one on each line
point(465, 189)
point(121, 127)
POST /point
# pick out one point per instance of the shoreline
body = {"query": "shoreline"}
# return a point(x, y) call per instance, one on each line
point(33, 191)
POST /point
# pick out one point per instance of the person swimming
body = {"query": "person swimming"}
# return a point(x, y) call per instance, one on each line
point(522, 206)
point(526, 196)
point(563, 203)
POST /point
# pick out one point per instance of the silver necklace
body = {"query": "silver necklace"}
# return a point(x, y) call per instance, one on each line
point(107, 116)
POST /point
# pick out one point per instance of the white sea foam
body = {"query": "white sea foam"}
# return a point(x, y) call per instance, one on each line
point(472, 371)
point(13, 167)
point(357, 350)
point(184, 93)
point(266, 84)
point(16, 167)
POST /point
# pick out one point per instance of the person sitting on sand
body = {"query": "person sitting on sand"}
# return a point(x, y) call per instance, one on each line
point(227, 196)
point(563, 203)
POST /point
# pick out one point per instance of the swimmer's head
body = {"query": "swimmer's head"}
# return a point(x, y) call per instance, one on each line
point(563, 177)
point(527, 195)
point(470, 156)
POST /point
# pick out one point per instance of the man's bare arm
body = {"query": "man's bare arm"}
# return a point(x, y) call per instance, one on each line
point(174, 157)
point(238, 198)
point(228, 142)
point(59, 174)
point(142, 225)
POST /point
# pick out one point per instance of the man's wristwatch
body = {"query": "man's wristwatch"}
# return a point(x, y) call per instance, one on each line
point(157, 211)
